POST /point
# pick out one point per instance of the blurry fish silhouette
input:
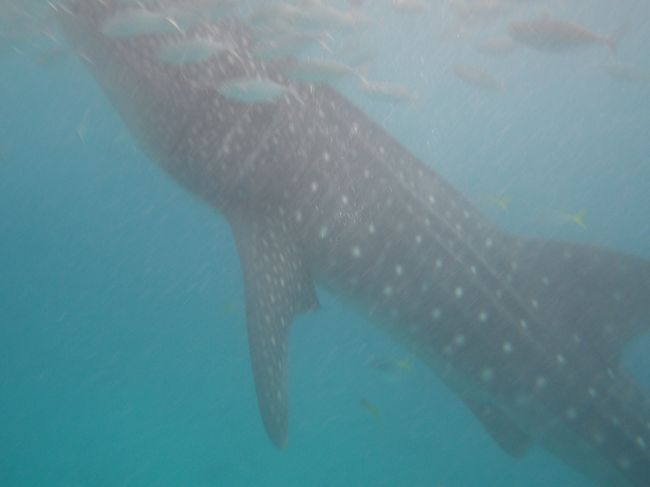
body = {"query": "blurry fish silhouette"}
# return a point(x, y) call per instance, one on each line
point(547, 34)
point(231, 308)
point(496, 47)
point(478, 78)
point(371, 408)
point(390, 368)
point(577, 219)
point(387, 92)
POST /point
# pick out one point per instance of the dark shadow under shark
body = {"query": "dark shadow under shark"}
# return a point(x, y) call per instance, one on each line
point(529, 333)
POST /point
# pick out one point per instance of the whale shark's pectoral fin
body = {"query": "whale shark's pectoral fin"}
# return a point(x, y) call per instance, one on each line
point(505, 432)
point(278, 287)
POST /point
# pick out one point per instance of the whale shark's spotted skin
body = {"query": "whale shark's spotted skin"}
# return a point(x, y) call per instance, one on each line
point(529, 333)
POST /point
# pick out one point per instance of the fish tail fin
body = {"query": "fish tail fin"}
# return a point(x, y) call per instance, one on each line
point(614, 40)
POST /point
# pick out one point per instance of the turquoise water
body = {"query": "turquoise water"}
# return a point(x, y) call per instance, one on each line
point(123, 355)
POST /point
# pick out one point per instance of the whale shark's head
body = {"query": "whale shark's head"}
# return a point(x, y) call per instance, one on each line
point(161, 64)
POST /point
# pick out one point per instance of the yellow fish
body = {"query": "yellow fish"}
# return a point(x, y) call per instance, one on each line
point(391, 367)
point(405, 364)
point(231, 308)
point(370, 407)
point(575, 218)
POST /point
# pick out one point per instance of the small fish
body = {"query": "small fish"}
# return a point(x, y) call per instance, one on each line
point(387, 92)
point(137, 22)
point(577, 219)
point(548, 34)
point(478, 78)
point(253, 90)
point(391, 369)
point(371, 408)
point(232, 308)
point(405, 364)
point(496, 47)
point(191, 51)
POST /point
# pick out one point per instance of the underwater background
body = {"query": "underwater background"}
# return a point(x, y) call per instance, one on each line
point(123, 350)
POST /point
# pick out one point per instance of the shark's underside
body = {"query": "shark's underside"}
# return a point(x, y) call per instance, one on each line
point(529, 333)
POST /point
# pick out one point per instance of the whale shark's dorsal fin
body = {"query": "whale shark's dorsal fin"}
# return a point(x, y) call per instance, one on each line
point(278, 287)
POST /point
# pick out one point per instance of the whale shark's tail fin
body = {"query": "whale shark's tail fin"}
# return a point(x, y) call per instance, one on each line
point(278, 288)
point(599, 296)
point(595, 301)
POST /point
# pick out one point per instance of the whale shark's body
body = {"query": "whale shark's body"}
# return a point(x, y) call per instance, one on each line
point(528, 333)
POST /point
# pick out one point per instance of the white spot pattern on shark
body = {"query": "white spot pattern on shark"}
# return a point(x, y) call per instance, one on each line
point(317, 193)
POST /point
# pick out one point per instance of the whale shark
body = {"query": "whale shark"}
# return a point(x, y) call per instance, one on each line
point(528, 332)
